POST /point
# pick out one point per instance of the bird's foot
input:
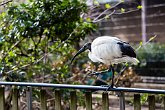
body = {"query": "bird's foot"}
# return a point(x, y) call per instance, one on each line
point(94, 73)
point(108, 87)
point(97, 73)
point(104, 85)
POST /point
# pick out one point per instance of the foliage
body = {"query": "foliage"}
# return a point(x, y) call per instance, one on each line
point(36, 38)
point(152, 52)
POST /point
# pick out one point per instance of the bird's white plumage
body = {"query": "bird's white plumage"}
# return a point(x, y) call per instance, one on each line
point(106, 49)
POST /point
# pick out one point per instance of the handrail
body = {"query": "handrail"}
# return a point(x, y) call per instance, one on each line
point(88, 87)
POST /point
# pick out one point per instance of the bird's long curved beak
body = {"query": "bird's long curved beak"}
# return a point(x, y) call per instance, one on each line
point(79, 52)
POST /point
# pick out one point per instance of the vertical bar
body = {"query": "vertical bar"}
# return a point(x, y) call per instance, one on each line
point(88, 100)
point(14, 98)
point(73, 99)
point(43, 99)
point(2, 98)
point(143, 18)
point(105, 101)
point(122, 100)
point(137, 104)
point(29, 98)
point(58, 100)
point(151, 102)
point(163, 102)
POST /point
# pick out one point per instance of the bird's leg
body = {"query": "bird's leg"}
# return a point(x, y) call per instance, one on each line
point(98, 73)
point(94, 73)
point(112, 83)
point(112, 69)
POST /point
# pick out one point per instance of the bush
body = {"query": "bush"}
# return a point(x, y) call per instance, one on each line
point(151, 52)
point(152, 60)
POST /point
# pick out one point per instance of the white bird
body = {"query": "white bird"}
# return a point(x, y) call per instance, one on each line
point(109, 50)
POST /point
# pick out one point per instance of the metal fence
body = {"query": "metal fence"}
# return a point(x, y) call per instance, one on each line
point(73, 97)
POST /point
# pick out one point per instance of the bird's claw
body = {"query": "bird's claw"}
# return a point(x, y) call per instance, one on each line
point(94, 73)
point(98, 73)
point(108, 87)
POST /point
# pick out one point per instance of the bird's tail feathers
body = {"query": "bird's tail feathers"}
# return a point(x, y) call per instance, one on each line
point(134, 61)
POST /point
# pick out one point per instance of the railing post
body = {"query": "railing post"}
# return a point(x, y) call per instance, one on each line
point(122, 100)
point(43, 99)
point(58, 100)
point(88, 100)
point(163, 102)
point(29, 98)
point(105, 101)
point(15, 98)
point(137, 104)
point(2, 98)
point(73, 100)
point(151, 102)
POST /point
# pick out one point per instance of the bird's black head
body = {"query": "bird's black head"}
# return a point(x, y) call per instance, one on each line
point(87, 46)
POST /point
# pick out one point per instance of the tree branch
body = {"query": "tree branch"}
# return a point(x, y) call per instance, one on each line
point(4, 56)
point(127, 12)
point(104, 12)
point(5, 2)
point(146, 42)
point(104, 17)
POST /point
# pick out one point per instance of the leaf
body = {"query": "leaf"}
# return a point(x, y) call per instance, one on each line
point(32, 59)
point(126, 64)
point(122, 10)
point(88, 19)
point(107, 17)
point(46, 31)
point(15, 68)
point(3, 14)
point(11, 54)
point(23, 5)
point(141, 43)
point(107, 6)
point(30, 0)
point(121, 0)
point(139, 7)
point(96, 3)
point(152, 38)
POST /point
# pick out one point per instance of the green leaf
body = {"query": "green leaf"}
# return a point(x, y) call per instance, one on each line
point(121, 0)
point(23, 5)
point(107, 6)
point(141, 43)
point(32, 59)
point(122, 10)
point(11, 54)
point(139, 7)
point(107, 17)
point(126, 64)
point(15, 68)
point(30, 0)
point(3, 14)
point(88, 19)
point(152, 38)
point(96, 3)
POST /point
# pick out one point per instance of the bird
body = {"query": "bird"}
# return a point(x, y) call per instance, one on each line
point(109, 51)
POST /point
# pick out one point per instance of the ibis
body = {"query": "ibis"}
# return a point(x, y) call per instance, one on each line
point(109, 50)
